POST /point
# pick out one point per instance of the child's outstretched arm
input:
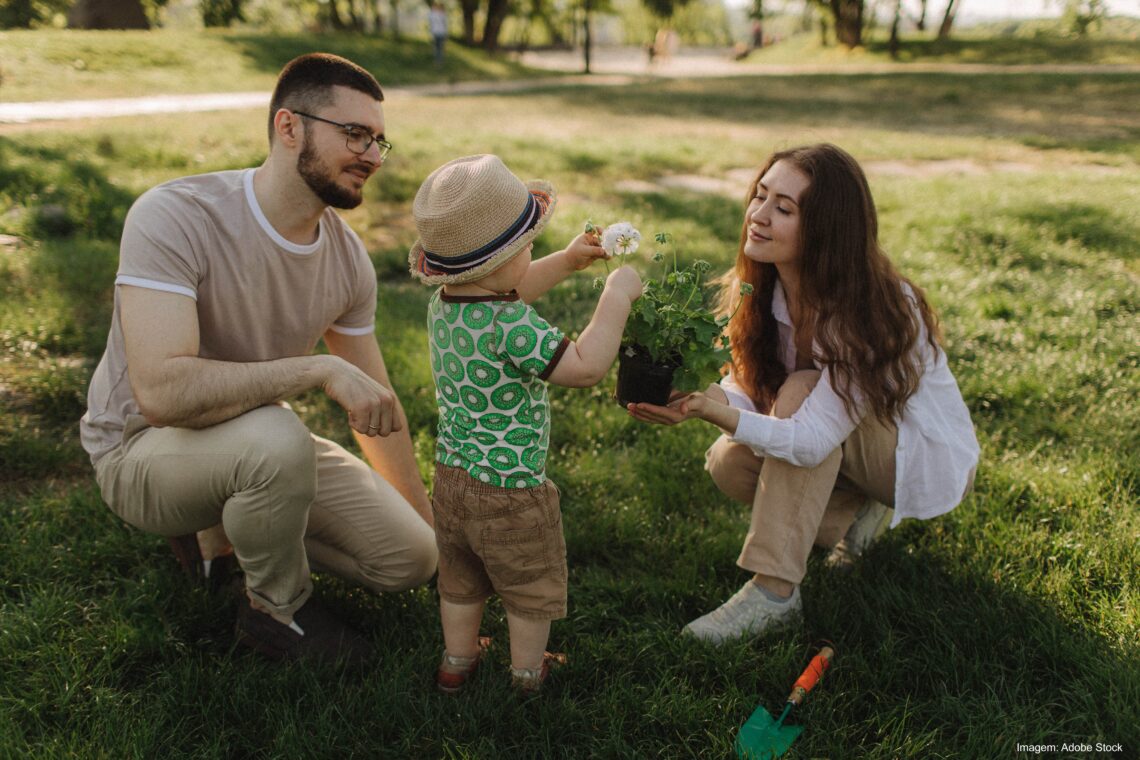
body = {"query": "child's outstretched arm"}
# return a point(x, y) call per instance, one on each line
point(545, 273)
point(587, 359)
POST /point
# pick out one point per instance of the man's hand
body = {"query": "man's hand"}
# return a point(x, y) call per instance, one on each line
point(370, 405)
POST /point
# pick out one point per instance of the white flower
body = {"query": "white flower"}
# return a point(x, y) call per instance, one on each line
point(621, 239)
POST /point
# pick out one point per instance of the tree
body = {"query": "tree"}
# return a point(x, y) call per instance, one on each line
point(952, 7)
point(493, 24)
point(108, 14)
point(848, 21)
point(221, 12)
point(920, 20)
point(469, 8)
point(24, 14)
point(1079, 15)
point(893, 43)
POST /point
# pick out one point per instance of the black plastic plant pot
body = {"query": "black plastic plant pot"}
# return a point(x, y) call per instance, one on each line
point(640, 380)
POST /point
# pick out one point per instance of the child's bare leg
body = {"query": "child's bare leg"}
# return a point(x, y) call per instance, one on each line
point(528, 641)
point(461, 627)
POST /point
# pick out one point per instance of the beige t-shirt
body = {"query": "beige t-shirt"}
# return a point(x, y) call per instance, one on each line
point(259, 297)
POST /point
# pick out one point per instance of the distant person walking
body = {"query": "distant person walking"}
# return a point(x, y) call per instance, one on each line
point(437, 25)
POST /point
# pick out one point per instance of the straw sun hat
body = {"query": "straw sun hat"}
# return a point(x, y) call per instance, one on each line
point(473, 215)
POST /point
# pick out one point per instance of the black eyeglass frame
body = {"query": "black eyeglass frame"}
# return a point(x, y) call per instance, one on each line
point(384, 146)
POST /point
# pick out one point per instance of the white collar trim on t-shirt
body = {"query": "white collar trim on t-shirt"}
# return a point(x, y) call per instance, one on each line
point(274, 235)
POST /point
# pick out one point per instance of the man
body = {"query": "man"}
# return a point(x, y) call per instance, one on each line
point(226, 282)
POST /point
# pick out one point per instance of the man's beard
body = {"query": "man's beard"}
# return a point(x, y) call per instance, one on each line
point(316, 176)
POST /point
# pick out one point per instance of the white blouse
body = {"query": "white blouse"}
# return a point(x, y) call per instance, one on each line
point(937, 451)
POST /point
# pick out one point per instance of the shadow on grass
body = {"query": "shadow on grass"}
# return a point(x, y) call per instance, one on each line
point(920, 621)
point(943, 103)
point(1085, 225)
point(396, 63)
point(1039, 49)
point(106, 648)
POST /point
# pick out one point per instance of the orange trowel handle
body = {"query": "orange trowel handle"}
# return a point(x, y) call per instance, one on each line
point(811, 675)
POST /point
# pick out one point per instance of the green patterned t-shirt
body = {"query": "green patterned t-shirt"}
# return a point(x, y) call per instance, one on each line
point(490, 357)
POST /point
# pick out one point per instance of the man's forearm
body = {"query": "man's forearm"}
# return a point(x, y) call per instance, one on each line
point(394, 458)
point(195, 393)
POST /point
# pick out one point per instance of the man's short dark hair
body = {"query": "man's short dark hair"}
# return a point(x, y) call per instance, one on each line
point(306, 83)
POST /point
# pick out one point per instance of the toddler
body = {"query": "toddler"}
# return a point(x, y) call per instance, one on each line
point(497, 518)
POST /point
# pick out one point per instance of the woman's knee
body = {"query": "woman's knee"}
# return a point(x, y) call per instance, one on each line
point(734, 469)
point(794, 392)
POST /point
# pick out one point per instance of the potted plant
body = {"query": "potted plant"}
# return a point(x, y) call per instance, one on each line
point(673, 340)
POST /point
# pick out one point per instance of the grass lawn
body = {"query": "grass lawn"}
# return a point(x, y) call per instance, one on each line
point(49, 64)
point(1013, 620)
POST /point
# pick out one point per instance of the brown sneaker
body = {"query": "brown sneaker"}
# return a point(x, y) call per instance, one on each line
point(529, 680)
point(316, 634)
point(454, 671)
point(211, 574)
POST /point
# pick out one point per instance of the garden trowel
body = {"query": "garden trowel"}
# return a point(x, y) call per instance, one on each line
point(760, 737)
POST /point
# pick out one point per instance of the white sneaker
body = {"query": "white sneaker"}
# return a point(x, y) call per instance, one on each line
point(749, 611)
point(870, 522)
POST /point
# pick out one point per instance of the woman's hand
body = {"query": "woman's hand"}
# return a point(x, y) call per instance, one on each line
point(659, 415)
point(705, 405)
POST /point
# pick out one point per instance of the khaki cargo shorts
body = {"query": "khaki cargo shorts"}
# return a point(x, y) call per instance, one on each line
point(500, 540)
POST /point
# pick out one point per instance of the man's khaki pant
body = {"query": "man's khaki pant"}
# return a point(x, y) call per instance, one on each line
point(796, 507)
point(286, 498)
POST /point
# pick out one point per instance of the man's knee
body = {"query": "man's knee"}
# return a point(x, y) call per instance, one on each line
point(412, 566)
point(281, 450)
point(794, 391)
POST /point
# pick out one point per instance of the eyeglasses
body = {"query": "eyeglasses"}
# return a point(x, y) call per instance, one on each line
point(359, 140)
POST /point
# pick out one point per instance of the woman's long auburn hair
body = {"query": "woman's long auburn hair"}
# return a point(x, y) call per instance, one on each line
point(864, 323)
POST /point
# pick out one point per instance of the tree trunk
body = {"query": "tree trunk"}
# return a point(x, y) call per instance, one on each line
point(586, 48)
point(496, 14)
point(848, 21)
point(948, 19)
point(469, 8)
point(920, 22)
point(334, 16)
point(893, 43)
point(355, 20)
point(107, 14)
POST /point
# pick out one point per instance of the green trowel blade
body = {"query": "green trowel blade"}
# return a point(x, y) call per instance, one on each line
point(761, 739)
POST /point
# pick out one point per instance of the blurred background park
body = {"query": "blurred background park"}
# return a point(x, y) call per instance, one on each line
point(1002, 143)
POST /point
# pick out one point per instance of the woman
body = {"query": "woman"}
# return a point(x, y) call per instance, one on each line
point(839, 404)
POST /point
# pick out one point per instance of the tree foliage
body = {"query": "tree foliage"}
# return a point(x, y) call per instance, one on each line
point(25, 14)
point(221, 12)
point(1081, 15)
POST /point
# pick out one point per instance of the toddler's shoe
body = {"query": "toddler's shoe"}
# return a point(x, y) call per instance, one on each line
point(749, 611)
point(454, 671)
point(870, 522)
point(529, 681)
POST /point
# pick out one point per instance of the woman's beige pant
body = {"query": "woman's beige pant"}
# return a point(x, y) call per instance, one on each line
point(286, 498)
point(796, 507)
